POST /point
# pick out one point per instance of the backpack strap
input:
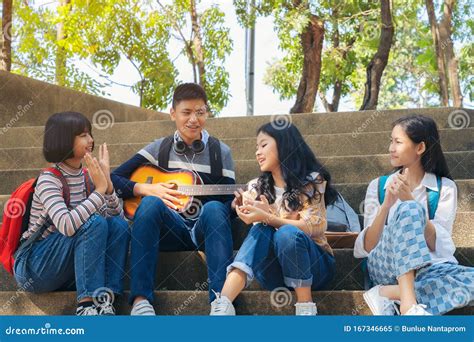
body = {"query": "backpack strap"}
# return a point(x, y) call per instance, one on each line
point(365, 271)
point(37, 234)
point(33, 237)
point(432, 198)
point(215, 156)
point(164, 153)
point(381, 188)
point(87, 182)
point(59, 175)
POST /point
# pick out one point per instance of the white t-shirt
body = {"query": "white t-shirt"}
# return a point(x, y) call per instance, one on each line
point(443, 220)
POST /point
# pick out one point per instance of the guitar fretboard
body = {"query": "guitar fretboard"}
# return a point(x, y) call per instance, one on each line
point(210, 189)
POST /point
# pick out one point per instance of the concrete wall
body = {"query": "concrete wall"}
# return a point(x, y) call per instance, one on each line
point(28, 102)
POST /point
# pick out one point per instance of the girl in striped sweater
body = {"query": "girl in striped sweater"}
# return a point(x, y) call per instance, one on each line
point(83, 245)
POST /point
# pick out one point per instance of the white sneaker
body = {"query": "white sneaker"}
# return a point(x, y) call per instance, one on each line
point(222, 306)
point(106, 309)
point(306, 309)
point(379, 305)
point(90, 310)
point(143, 308)
point(417, 310)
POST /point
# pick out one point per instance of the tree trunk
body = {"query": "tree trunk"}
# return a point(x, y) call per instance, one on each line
point(312, 42)
point(379, 61)
point(337, 88)
point(336, 96)
point(61, 58)
point(7, 23)
point(443, 86)
point(197, 44)
point(445, 28)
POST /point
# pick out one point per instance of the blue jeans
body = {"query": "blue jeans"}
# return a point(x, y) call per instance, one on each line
point(157, 228)
point(284, 257)
point(91, 259)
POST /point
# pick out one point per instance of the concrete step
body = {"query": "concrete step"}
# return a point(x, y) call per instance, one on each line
point(183, 271)
point(354, 123)
point(341, 144)
point(361, 169)
point(354, 194)
point(462, 229)
point(347, 169)
point(196, 303)
point(28, 102)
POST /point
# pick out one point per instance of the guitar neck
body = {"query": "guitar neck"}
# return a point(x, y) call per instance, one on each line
point(210, 189)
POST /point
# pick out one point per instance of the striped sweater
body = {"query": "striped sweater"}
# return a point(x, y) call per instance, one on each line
point(48, 206)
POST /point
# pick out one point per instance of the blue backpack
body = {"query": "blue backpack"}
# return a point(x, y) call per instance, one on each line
point(432, 199)
point(432, 196)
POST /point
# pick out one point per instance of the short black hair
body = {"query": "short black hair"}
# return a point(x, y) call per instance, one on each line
point(188, 91)
point(59, 133)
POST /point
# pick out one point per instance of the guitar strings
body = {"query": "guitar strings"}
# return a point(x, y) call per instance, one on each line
point(191, 164)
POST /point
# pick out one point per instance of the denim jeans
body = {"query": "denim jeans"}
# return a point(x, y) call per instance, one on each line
point(157, 228)
point(284, 257)
point(91, 259)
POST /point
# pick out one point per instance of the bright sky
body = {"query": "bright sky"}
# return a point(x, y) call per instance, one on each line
point(266, 49)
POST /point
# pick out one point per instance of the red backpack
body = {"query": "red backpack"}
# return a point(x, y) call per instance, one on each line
point(16, 217)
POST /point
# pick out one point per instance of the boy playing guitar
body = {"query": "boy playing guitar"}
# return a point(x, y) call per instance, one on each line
point(157, 223)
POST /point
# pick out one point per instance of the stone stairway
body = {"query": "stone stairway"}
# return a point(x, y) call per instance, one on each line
point(353, 146)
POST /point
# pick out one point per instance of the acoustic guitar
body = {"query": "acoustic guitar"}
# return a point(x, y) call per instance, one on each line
point(185, 181)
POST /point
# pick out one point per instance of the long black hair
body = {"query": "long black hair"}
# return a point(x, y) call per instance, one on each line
point(297, 163)
point(419, 129)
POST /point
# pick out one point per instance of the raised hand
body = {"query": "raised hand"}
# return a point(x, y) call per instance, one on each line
point(402, 187)
point(97, 175)
point(104, 162)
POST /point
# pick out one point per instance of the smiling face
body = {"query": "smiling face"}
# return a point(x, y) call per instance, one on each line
point(403, 151)
point(83, 143)
point(190, 117)
point(267, 153)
